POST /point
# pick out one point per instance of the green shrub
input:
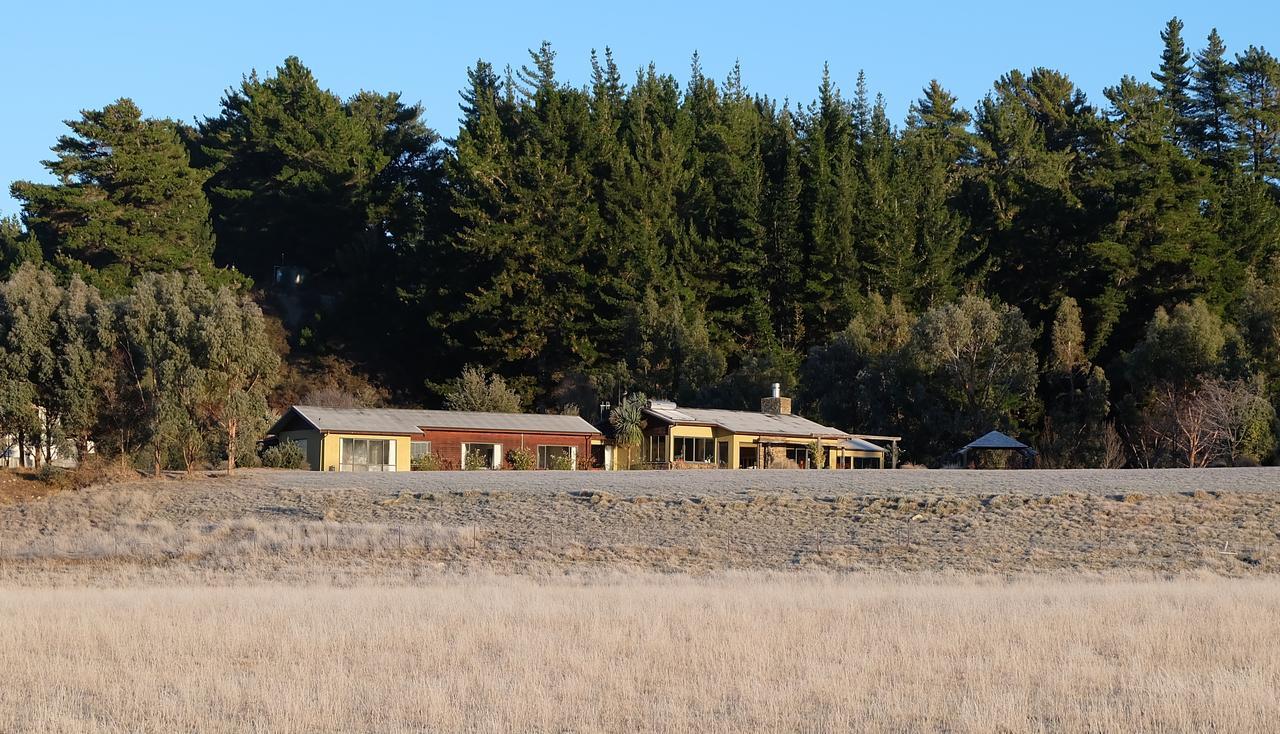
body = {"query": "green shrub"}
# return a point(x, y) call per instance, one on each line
point(522, 459)
point(427, 462)
point(560, 462)
point(476, 460)
point(284, 455)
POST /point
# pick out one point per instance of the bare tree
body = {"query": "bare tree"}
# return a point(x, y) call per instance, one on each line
point(1240, 416)
point(1204, 423)
point(1177, 428)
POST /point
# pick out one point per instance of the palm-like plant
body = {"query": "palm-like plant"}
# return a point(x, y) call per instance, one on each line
point(626, 420)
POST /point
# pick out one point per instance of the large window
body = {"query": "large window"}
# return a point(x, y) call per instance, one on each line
point(557, 457)
point(801, 455)
point(367, 454)
point(655, 449)
point(481, 455)
point(695, 450)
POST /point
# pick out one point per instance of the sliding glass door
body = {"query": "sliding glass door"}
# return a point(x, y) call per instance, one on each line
point(367, 454)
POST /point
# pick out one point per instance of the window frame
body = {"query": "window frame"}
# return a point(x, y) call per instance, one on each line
point(495, 457)
point(349, 449)
point(544, 460)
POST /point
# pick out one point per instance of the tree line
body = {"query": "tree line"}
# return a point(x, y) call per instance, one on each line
point(173, 373)
point(1096, 277)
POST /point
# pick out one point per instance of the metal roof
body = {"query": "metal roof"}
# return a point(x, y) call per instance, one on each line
point(402, 421)
point(743, 421)
point(996, 440)
point(857, 444)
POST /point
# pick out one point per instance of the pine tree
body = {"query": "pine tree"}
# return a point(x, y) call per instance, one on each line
point(127, 202)
point(1174, 80)
point(933, 152)
point(1160, 246)
point(828, 170)
point(784, 273)
point(301, 177)
point(1256, 84)
point(526, 219)
point(1213, 104)
point(1038, 140)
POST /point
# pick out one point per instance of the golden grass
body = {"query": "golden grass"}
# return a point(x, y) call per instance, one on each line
point(728, 653)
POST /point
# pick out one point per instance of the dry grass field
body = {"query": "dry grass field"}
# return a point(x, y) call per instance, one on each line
point(644, 601)
point(732, 653)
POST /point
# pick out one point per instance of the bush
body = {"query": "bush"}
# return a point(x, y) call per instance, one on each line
point(284, 455)
point(476, 460)
point(560, 462)
point(522, 459)
point(427, 462)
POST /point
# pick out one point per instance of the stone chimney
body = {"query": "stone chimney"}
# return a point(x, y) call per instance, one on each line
point(776, 404)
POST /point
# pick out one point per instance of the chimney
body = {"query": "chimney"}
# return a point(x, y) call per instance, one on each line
point(776, 404)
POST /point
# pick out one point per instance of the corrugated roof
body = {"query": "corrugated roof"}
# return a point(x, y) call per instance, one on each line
point(857, 444)
point(403, 421)
point(996, 440)
point(742, 421)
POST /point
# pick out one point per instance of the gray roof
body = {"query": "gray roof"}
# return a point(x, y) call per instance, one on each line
point(400, 421)
point(996, 440)
point(857, 444)
point(743, 421)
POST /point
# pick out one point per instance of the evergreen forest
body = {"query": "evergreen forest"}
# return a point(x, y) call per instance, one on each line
point(1099, 277)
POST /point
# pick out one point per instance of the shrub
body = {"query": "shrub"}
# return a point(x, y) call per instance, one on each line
point(522, 459)
point(427, 462)
point(560, 462)
point(476, 460)
point(284, 455)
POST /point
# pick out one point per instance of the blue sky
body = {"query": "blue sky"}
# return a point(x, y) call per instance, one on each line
point(175, 59)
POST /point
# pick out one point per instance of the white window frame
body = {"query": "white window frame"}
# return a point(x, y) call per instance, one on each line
point(495, 461)
point(390, 466)
point(573, 455)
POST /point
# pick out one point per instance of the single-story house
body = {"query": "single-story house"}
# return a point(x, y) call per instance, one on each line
point(676, 437)
point(388, 439)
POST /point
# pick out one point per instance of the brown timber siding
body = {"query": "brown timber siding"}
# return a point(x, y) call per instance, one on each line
point(448, 444)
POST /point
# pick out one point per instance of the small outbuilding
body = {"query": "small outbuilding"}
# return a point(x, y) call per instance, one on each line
point(996, 441)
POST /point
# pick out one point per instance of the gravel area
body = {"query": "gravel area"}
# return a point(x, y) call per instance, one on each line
point(726, 483)
point(270, 525)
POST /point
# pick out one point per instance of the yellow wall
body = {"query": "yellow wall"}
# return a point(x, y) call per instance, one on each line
point(333, 442)
point(738, 440)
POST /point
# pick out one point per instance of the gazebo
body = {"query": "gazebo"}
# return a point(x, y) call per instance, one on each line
point(997, 441)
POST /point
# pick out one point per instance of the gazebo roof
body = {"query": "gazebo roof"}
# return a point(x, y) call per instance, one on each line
point(995, 440)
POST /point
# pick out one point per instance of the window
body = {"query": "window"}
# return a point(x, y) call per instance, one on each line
point(655, 449)
point(557, 457)
point(418, 449)
point(481, 455)
point(695, 450)
point(722, 455)
point(801, 456)
point(367, 454)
